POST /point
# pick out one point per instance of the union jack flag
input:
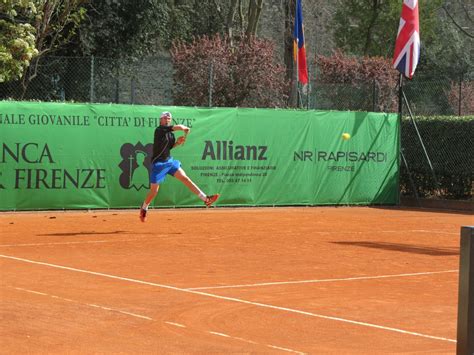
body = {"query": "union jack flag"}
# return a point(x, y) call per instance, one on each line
point(407, 45)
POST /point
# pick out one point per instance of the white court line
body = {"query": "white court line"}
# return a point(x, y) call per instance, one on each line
point(322, 280)
point(246, 340)
point(67, 243)
point(143, 317)
point(176, 324)
point(84, 304)
point(232, 299)
point(284, 349)
point(220, 334)
point(271, 346)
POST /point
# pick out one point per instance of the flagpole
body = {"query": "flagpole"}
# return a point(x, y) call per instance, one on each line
point(400, 115)
point(297, 57)
point(307, 88)
point(400, 96)
point(297, 76)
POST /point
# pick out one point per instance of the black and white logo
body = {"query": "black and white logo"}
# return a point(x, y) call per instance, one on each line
point(135, 165)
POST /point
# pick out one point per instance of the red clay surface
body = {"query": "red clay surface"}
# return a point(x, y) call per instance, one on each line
point(269, 280)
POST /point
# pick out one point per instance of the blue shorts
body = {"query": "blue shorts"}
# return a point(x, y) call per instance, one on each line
point(161, 168)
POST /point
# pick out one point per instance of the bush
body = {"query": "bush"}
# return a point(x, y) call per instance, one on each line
point(449, 144)
point(365, 75)
point(244, 74)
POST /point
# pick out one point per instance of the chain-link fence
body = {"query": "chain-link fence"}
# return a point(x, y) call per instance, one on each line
point(439, 156)
point(73, 79)
point(433, 97)
point(150, 81)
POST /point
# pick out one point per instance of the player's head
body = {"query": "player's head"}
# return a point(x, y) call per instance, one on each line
point(165, 118)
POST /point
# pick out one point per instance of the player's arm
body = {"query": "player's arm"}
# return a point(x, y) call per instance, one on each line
point(180, 127)
point(181, 139)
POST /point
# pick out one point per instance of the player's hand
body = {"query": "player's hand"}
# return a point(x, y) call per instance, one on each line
point(181, 140)
point(186, 130)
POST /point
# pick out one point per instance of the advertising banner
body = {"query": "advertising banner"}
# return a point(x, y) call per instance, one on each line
point(80, 156)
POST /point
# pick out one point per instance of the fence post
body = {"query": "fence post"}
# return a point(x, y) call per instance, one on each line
point(465, 333)
point(117, 84)
point(91, 90)
point(374, 95)
point(211, 82)
point(460, 94)
point(117, 90)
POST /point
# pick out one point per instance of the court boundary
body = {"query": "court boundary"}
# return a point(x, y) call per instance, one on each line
point(232, 299)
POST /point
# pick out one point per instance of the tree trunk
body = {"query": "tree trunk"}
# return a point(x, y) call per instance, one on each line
point(230, 18)
point(375, 14)
point(255, 10)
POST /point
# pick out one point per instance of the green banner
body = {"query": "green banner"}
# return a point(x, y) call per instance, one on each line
point(74, 156)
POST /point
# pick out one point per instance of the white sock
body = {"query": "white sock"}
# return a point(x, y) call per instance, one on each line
point(202, 196)
point(145, 206)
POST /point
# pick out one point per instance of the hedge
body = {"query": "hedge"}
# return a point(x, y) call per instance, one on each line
point(450, 146)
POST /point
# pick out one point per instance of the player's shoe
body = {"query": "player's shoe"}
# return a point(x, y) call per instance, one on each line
point(143, 214)
point(211, 199)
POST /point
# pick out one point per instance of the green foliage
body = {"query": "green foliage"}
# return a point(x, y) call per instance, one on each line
point(369, 27)
point(208, 19)
point(244, 74)
point(451, 53)
point(136, 28)
point(29, 29)
point(17, 39)
point(56, 23)
point(448, 141)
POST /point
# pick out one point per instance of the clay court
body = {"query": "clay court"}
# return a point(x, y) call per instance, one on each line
point(225, 280)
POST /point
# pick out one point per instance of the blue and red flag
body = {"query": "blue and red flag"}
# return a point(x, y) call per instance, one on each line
point(407, 45)
point(299, 49)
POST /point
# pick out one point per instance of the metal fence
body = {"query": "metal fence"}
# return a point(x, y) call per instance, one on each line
point(150, 81)
point(100, 80)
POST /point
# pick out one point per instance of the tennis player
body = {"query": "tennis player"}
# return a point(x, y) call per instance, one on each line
point(164, 164)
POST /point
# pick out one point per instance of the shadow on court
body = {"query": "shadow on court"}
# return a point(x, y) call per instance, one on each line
point(80, 233)
point(403, 248)
point(75, 234)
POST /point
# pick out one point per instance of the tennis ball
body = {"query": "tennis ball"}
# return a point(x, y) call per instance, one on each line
point(346, 136)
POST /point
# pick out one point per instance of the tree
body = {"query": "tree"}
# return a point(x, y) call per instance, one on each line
point(54, 23)
point(136, 28)
point(369, 27)
point(17, 38)
point(452, 53)
point(255, 10)
point(460, 14)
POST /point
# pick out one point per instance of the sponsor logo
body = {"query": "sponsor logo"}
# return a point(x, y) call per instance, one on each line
point(227, 150)
point(339, 156)
point(33, 153)
point(135, 165)
point(340, 160)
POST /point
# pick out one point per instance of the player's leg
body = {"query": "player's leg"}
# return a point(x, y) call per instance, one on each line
point(180, 174)
point(148, 199)
point(157, 176)
point(151, 194)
